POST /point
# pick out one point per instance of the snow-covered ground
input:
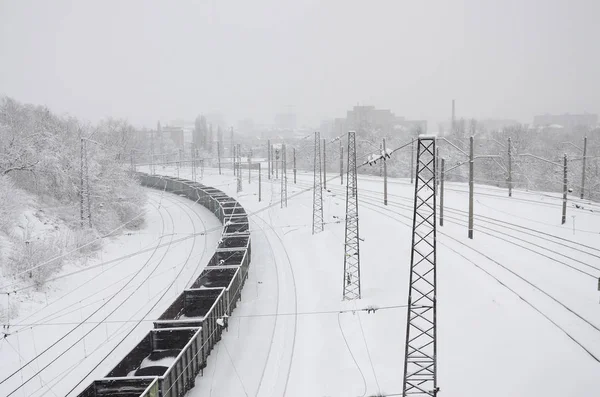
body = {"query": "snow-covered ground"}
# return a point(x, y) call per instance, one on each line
point(518, 310)
point(518, 305)
point(133, 279)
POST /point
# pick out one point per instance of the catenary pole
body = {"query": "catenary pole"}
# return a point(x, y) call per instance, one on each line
point(583, 166)
point(471, 187)
point(565, 188)
point(385, 181)
point(442, 192)
point(509, 169)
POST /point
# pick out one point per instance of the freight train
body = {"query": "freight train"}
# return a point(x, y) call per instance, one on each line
point(167, 360)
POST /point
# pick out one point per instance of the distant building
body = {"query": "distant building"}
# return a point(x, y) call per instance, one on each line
point(372, 119)
point(285, 121)
point(567, 121)
point(367, 117)
point(175, 133)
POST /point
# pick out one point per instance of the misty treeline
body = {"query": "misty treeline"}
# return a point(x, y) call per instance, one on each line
point(527, 172)
point(537, 157)
point(40, 167)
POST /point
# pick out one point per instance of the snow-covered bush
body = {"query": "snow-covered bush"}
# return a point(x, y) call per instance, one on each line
point(33, 252)
point(11, 201)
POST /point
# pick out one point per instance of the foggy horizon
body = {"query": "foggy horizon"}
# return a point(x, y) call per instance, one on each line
point(154, 61)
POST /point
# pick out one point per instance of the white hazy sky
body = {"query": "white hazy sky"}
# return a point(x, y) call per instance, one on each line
point(147, 60)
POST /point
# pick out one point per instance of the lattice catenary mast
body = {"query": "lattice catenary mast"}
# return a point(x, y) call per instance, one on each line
point(317, 224)
point(420, 361)
point(352, 251)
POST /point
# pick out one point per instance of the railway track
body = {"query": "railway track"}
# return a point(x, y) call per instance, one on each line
point(390, 213)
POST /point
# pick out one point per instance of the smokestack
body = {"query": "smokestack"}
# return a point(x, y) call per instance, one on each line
point(453, 118)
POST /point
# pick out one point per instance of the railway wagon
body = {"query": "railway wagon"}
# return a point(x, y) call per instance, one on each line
point(240, 226)
point(198, 194)
point(153, 182)
point(123, 387)
point(232, 211)
point(237, 218)
point(173, 355)
point(198, 308)
point(232, 278)
point(226, 200)
point(236, 242)
point(230, 257)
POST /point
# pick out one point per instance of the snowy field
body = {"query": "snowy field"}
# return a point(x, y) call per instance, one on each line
point(518, 306)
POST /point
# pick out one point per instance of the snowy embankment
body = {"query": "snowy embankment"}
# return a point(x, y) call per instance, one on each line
point(105, 306)
point(518, 306)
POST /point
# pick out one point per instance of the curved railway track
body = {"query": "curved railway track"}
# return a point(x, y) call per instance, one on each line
point(49, 383)
point(390, 213)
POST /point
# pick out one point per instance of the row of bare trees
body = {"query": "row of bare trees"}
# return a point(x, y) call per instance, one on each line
point(41, 153)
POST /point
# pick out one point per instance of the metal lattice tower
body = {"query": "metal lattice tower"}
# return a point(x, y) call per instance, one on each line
point(420, 361)
point(352, 251)
point(283, 177)
point(317, 224)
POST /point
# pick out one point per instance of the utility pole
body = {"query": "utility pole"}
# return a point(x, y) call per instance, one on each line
point(249, 169)
point(152, 169)
point(420, 358)
point(283, 178)
point(239, 177)
point(317, 223)
point(341, 163)
point(81, 183)
point(324, 166)
point(233, 157)
point(351, 280)
point(268, 158)
point(471, 187)
point(87, 186)
point(239, 158)
point(509, 169)
point(233, 150)
point(259, 183)
point(272, 161)
point(381, 163)
point(412, 159)
point(179, 163)
point(133, 161)
point(442, 192)
point(564, 203)
point(294, 165)
point(219, 155)
point(277, 164)
point(385, 190)
point(85, 207)
point(193, 147)
point(583, 168)
point(437, 160)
